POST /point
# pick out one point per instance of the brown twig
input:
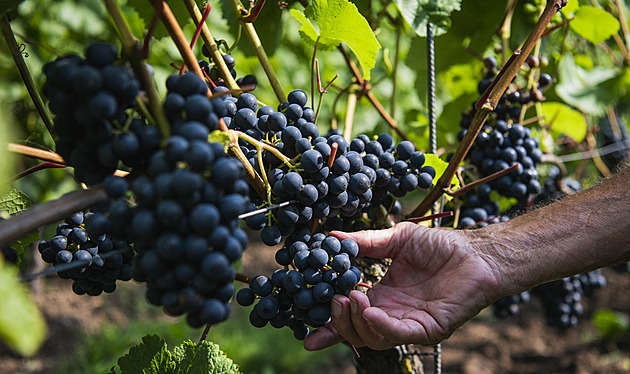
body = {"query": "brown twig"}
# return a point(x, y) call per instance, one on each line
point(176, 33)
point(483, 180)
point(16, 54)
point(49, 212)
point(430, 217)
point(370, 96)
point(206, 13)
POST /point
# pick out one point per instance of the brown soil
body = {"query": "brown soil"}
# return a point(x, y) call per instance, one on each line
point(485, 344)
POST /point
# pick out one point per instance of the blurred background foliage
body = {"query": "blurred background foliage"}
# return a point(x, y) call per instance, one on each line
point(587, 54)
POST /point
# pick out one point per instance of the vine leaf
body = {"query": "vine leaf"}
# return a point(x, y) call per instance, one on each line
point(339, 21)
point(587, 90)
point(564, 121)
point(440, 167)
point(594, 24)
point(22, 326)
point(149, 357)
point(14, 201)
point(153, 357)
point(417, 12)
point(202, 357)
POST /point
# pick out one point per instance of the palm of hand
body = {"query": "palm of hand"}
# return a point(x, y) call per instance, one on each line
point(430, 289)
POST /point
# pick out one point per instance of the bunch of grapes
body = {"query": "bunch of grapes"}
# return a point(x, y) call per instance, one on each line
point(301, 298)
point(327, 177)
point(562, 298)
point(93, 260)
point(91, 98)
point(503, 141)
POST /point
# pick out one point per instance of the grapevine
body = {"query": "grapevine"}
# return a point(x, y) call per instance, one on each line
point(177, 161)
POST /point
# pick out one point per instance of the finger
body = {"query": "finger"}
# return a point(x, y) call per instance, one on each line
point(372, 243)
point(397, 330)
point(321, 338)
point(381, 243)
point(341, 321)
point(359, 302)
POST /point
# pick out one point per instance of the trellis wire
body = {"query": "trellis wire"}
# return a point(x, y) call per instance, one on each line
point(437, 349)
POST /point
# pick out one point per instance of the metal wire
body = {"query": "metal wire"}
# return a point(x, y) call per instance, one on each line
point(437, 350)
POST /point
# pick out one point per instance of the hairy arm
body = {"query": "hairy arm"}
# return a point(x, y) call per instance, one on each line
point(439, 279)
point(580, 233)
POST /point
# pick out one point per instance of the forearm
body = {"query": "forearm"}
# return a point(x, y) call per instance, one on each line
point(588, 230)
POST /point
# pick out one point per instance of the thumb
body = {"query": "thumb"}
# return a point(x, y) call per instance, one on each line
point(372, 243)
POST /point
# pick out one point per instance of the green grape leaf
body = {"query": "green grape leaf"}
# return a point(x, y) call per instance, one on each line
point(564, 121)
point(611, 323)
point(440, 167)
point(594, 24)
point(149, 357)
point(202, 357)
point(339, 21)
point(14, 201)
point(587, 90)
point(221, 137)
point(22, 326)
point(418, 12)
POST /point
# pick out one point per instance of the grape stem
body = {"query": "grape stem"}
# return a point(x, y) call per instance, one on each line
point(135, 54)
point(269, 148)
point(49, 212)
point(45, 155)
point(33, 169)
point(352, 105)
point(206, 13)
point(491, 177)
point(370, 96)
point(254, 12)
point(208, 40)
point(486, 104)
point(18, 58)
point(204, 335)
point(176, 33)
point(254, 40)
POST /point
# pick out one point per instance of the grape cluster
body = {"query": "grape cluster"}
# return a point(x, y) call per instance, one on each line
point(510, 305)
point(301, 298)
point(327, 177)
point(562, 298)
point(90, 98)
point(92, 259)
point(184, 221)
point(503, 141)
point(179, 205)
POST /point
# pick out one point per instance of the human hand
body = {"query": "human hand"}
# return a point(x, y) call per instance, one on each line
point(436, 282)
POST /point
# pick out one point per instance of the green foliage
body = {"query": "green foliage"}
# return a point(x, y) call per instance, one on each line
point(417, 13)
point(153, 357)
point(610, 323)
point(14, 201)
point(339, 21)
point(594, 24)
point(585, 89)
point(22, 326)
point(564, 121)
point(440, 167)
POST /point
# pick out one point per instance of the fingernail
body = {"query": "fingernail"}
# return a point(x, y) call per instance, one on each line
point(335, 309)
point(353, 305)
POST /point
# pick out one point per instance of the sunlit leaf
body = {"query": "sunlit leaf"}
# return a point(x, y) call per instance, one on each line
point(340, 21)
point(417, 13)
point(22, 326)
point(594, 24)
point(564, 121)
